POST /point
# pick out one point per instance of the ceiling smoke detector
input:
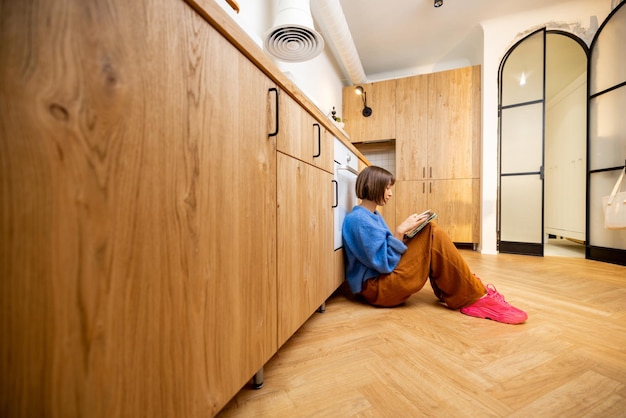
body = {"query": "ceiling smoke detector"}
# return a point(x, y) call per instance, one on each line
point(293, 37)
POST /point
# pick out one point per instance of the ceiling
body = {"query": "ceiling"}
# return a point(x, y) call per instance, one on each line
point(396, 35)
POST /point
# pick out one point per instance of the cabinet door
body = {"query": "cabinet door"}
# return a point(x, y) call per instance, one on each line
point(457, 205)
point(301, 136)
point(455, 201)
point(438, 125)
point(412, 128)
point(305, 242)
point(411, 197)
point(138, 232)
point(454, 123)
point(237, 201)
point(381, 125)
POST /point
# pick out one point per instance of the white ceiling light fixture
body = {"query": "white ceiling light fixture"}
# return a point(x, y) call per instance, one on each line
point(293, 37)
point(438, 3)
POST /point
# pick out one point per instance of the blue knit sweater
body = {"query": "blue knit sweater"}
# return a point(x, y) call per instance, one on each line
point(369, 246)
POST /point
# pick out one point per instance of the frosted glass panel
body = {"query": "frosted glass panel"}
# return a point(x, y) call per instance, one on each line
point(522, 75)
point(607, 129)
point(607, 125)
point(609, 65)
point(522, 139)
point(601, 185)
point(521, 203)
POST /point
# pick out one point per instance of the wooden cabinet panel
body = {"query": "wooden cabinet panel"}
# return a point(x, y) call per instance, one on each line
point(455, 201)
point(454, 123)
point(138, 235)
point(305, 242)
point(411, 196)
point(458, 207)
point(381, 125)
point(438, 149)
point(301, 136)
point(412, 128)
point(438, 125)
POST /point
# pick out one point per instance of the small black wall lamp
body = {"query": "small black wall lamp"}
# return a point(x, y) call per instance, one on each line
point(367, 111)
point(438, 3)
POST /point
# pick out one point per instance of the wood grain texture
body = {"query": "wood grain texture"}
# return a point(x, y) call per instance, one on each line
point(454, 104)
point(302, 136)
point(305, 243)
point(438, 149)
point(412, 157)
point(213, 13)
point(422, 359)
point(128, 206)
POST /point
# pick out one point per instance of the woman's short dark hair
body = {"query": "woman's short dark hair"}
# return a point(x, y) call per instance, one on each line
point(372, 182)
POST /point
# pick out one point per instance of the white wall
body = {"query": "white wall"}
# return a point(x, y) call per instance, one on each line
point(580, 17)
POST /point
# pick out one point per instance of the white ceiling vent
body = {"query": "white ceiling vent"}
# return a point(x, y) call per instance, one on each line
point(293, 37)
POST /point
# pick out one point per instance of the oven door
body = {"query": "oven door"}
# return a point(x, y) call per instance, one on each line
point(346, 163)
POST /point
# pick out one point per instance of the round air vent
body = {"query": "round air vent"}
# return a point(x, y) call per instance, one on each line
point(293, 38)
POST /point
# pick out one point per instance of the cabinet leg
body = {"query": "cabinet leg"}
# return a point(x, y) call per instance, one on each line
point(257, 380)
point(322, 308)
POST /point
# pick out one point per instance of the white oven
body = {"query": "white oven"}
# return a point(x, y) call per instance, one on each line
point(346, 170)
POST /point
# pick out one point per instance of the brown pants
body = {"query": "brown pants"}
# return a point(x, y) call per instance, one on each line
point(432, 254)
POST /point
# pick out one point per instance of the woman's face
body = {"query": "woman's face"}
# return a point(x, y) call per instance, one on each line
point(388, 194)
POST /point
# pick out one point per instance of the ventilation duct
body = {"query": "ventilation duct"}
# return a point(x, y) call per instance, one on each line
point(293, 37)
point(332, 22)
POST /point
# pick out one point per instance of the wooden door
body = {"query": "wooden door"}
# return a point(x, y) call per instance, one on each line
point(454, 123)
point(305, 242)
point(412, 128)
point(138, 212)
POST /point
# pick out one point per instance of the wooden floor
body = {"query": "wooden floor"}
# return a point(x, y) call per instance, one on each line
point(422, 359)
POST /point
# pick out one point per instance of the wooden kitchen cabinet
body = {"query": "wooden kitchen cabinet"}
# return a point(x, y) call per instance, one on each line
point(381, 125)
point(455, 201)
point(141, 191)
point(305, 242)
point(438, 149)
point(454, 124)
point(305, 219)
point(138, 231)
point(302, 136)
point(438, 125)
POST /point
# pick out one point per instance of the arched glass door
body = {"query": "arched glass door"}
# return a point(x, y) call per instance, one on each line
point(543, 125)
point(522, 105)
point(607, 133)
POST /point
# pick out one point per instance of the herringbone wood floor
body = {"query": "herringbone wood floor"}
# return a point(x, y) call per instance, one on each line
point(422, 359)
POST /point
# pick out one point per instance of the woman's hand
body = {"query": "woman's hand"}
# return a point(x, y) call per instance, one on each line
point(410, 224)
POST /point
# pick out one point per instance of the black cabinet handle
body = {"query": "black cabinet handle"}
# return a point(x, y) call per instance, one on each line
point(274, 89)
point(319, 140)
point(336, 194)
